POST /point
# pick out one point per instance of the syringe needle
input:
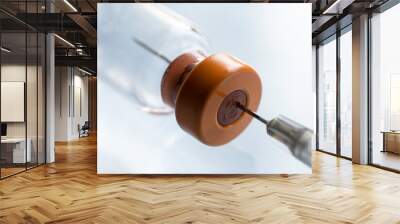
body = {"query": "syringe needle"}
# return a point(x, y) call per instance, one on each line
point(151, 50)
point(295, 136)
point(251, 113)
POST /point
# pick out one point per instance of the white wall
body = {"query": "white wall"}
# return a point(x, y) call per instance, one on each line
point(61, 103)
point(69, 84)
point(15, 72)
point(80, 108)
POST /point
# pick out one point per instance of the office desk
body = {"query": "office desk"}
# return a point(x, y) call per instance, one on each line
point(13, 150)
point(391, 141)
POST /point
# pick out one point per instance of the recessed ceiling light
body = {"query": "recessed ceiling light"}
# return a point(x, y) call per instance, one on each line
point(5, 50)
point(64, 40)
point(84, 71)
point(337, 7)
point(70, 5)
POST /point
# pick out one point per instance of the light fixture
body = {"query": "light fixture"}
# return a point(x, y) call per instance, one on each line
point(70, 5)
point(80, 51)
point(84, 71)
point(337, 7)
point(5, 50)
point(64, 40)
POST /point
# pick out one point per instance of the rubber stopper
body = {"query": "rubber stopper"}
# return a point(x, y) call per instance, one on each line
point(205, 92)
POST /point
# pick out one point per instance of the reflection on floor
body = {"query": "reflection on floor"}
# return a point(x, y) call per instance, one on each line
point(387, 159)
point(346, 152)
point(70, 191)
point(10, 169)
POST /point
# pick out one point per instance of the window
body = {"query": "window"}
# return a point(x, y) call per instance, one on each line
point(327, 96)
point(333, 137)
point(346, 93)
point(394, 102)
point(385, 89)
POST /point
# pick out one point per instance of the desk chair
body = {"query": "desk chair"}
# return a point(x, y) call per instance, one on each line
point(84, 130)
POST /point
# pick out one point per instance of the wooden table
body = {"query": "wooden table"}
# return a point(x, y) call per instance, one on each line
point(391, 141)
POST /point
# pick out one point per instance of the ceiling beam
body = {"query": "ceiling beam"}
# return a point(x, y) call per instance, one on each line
point(82, 61)
point(49, 22)
point(85, 25)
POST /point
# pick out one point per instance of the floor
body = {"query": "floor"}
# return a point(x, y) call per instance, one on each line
point(5, 172)
point(10, 171)
point(70, 191)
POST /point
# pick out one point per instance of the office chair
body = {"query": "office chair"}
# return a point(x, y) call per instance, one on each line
point(84, 130)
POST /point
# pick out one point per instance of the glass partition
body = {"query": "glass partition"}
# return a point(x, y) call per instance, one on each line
point(41, 96)
point(327, 96)
point(14, 153)
point(32, 95)
point(22, 101)
point(34, 51)
point(346, 94)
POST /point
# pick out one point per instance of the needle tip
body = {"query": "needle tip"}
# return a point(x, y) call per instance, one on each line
point(251, 113)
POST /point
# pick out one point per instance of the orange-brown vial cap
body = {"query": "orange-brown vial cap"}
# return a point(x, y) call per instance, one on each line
point(206, 100)
point(176, 73)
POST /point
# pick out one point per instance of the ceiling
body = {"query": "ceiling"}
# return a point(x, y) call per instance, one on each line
point(75, 22)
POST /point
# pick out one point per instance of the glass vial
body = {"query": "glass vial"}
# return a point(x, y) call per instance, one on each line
point(158, 36)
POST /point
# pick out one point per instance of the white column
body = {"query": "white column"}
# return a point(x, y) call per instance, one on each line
point(50, 92)
point(50, 100)
point(360, 90)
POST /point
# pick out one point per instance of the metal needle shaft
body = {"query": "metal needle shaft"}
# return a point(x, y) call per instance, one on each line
point(151, 50)
point(251, 113)
point(296, 137)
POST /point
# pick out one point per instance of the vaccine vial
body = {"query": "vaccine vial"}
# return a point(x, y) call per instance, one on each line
point(164, 66)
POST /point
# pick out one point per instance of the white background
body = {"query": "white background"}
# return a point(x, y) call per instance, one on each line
point(274, 38)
